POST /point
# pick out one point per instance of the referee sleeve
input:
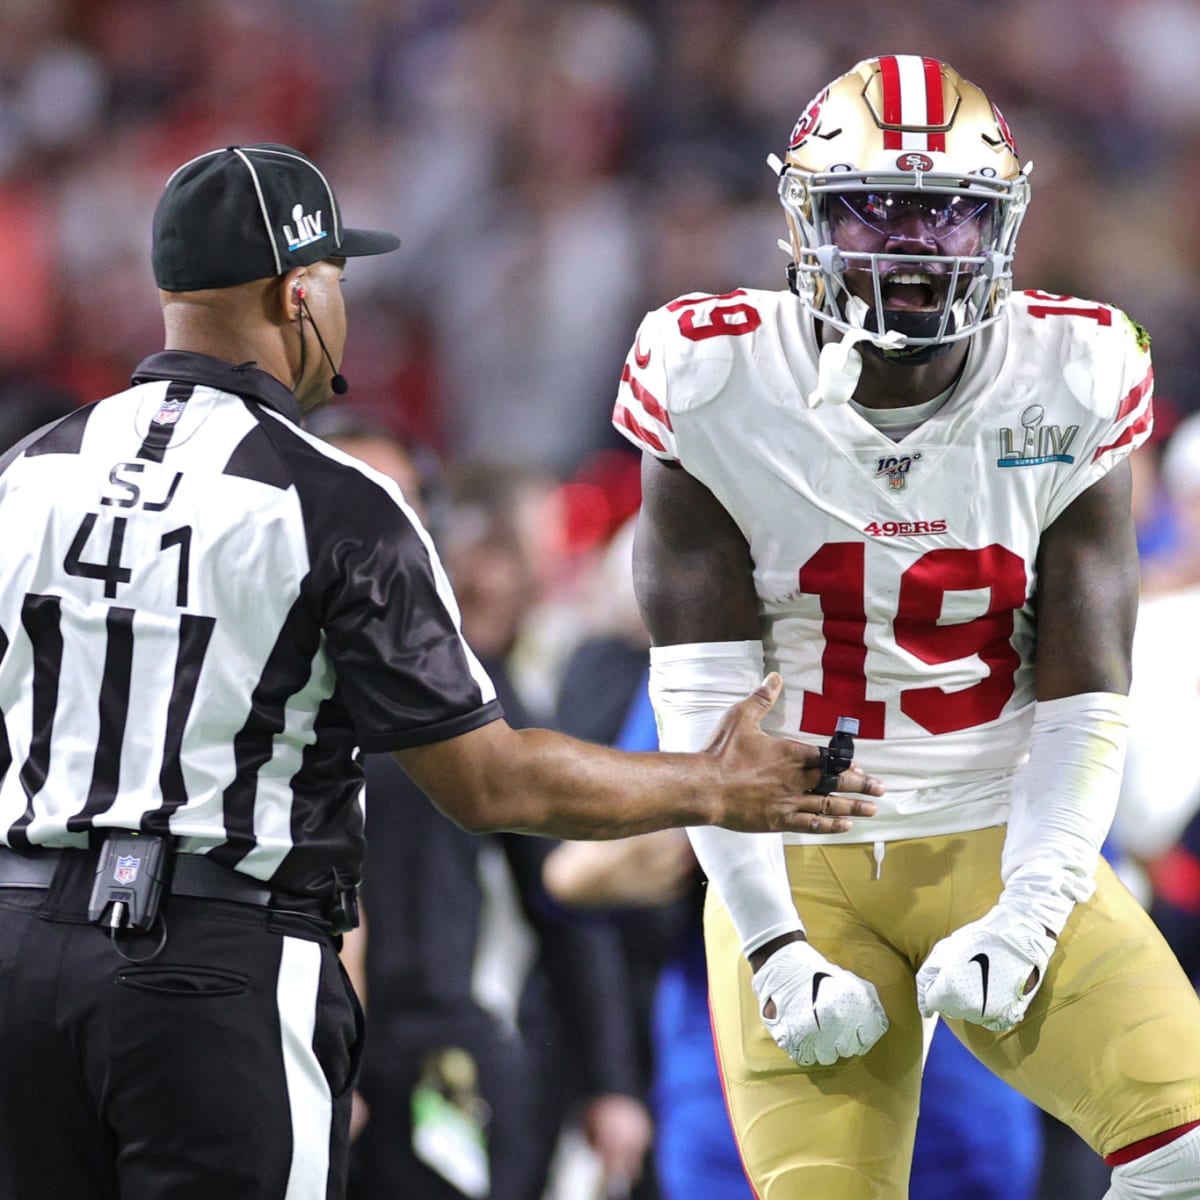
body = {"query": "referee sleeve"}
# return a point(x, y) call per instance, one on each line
point(404, 670)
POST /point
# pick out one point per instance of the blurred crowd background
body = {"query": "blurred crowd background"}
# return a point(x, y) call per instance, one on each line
point(555, 168)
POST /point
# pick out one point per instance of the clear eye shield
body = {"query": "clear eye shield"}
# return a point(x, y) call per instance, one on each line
point(912, 215)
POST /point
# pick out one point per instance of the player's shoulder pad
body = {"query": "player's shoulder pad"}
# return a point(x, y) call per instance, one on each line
point(690, 345)
point(1071, 320)
point(1098, 346)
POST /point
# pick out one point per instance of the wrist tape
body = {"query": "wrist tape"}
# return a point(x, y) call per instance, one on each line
point(1063, 801)
point(691, 686)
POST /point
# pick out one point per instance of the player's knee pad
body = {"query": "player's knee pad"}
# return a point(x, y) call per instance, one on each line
point(1172, 1172)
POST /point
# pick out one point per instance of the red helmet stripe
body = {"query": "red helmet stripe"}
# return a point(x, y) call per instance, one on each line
point(889, 70)
point(935, 110)
point(912, 97)
point(914, 103)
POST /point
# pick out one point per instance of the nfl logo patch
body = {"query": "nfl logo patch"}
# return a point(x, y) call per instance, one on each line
point(127, 868)
point(169, 413)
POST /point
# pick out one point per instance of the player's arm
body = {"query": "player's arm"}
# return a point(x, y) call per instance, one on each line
point(641, 872)
point(1065, 795)
point(694, 580)
point(693, 575)
point(692, 570)
point(1088, 593)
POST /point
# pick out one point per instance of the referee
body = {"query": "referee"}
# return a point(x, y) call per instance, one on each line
point(206, 615)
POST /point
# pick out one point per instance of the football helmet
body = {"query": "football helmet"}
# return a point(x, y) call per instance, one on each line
point(905, 171)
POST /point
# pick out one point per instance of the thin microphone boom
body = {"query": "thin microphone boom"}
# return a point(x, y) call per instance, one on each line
point(338, 383)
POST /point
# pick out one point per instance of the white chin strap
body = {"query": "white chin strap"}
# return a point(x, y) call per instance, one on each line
point(840, 364)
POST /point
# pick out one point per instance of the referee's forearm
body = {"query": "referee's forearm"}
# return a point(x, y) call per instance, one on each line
point(536, 781)
point(578, 790)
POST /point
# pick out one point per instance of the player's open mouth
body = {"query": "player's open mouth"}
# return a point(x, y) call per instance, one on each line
point(913, 291)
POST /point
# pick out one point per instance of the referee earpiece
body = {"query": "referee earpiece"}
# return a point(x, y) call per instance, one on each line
point(337, 382)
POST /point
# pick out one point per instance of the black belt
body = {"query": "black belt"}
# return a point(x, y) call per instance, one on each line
point(192, 875)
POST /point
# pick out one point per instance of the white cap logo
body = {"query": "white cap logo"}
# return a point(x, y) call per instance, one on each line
point(309, 228)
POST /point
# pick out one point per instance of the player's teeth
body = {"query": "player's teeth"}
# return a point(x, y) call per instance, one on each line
point(909, 277)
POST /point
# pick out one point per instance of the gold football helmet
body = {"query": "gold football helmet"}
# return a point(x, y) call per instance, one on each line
point(903, 141)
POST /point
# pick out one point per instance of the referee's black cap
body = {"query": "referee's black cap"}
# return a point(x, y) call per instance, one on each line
point(250, 212)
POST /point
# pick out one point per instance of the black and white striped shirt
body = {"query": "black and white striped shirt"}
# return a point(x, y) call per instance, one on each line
point(205, 613)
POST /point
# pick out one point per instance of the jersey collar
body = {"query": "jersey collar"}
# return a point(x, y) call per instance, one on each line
point(244, 380)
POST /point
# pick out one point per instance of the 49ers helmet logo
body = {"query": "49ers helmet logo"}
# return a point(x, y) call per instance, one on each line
point(914, 161)
point(1005, 132)
point(808, 122)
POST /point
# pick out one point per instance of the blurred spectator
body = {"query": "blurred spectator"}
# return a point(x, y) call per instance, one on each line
point(600, 682)
point(1180, 474)
point(482, 994)
point(373, 437)
point(502, 544)
point(1158, 819)
point(494, 1018)
point(609, 665)
point(1155, 518)
point(26, 407)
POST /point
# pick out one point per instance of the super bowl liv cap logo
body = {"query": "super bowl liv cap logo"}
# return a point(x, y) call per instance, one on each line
point(310, 228)
point(1039, 443)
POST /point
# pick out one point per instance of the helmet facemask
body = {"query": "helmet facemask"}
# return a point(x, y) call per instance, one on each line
point(927, 235)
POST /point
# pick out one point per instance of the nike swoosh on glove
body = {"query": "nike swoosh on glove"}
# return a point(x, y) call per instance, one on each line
point(979, 973)
point(822, 1012)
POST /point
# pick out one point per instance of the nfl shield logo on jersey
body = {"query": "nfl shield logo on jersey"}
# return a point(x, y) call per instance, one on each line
point(895, 468)
point(169, 412)
point(127, 868)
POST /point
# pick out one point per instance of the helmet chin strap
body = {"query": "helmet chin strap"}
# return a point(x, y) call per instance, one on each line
point(916, 325)
point(840, 363)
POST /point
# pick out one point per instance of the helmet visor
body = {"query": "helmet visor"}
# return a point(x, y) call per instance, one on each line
point(896, 214)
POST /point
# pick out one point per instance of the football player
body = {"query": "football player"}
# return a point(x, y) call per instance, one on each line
point(906, 488)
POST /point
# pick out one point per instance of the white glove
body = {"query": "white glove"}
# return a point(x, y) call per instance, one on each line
point(980, 972)
point(822, 1013)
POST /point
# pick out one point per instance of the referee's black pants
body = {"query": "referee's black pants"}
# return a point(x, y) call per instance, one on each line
point(221, 1069)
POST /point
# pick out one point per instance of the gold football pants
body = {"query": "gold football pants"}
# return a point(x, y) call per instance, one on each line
point(1110, 1045)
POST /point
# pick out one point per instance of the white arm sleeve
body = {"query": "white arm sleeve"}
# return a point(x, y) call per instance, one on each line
point(691, 686)
point(1063, 803)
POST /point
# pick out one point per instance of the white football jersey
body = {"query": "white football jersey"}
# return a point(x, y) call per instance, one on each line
point(896, 578)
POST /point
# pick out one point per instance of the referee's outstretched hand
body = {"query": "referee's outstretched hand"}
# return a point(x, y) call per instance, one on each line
point(777, 774)
point(538, 781)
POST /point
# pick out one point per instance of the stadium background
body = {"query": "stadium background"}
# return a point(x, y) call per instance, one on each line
point(554, 168)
